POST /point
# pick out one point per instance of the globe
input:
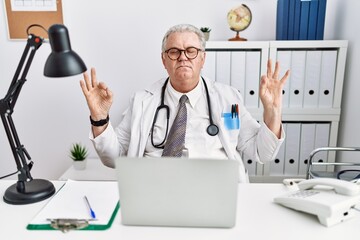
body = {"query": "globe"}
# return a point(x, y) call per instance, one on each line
point(239, 18)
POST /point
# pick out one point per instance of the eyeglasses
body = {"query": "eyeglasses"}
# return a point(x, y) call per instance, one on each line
point(349, 174)
point(190, 53)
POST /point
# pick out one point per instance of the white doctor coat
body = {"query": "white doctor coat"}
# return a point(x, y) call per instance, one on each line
point(130, 136)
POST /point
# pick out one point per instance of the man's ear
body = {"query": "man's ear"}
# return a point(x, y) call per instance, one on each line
point(163, 59)
point(203, 60)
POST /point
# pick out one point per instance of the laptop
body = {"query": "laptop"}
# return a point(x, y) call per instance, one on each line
point(178, 192)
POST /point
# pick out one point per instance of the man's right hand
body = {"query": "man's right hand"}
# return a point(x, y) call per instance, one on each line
point(98, 97)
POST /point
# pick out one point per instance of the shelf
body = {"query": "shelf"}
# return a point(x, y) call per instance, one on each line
point(314, 87)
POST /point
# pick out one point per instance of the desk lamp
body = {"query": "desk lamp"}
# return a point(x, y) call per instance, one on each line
point(62, 62)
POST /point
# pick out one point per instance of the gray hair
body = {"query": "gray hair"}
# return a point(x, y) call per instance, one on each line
point(184, 28)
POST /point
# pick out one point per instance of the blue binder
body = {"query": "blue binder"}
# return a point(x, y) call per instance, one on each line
point(304, 19)
point(297, 12)
point(291, 20)
point(321, 20)
point(282, 18)
point(313, 19)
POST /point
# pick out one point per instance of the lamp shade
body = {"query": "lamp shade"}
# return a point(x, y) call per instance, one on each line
point(63, 61)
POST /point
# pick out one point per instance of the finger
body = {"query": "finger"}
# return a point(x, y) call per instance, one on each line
point(102, 86)
point(83, 87)
point(269, 68)
point(93, 77)
point(263, 84)
point(277, 69)
point(87, 81)
point(109, 93)
point(285, 77)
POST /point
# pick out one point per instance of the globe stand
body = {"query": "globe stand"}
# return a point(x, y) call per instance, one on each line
point(237, 38)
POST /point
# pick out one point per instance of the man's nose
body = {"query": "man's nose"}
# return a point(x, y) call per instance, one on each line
point(182, 56)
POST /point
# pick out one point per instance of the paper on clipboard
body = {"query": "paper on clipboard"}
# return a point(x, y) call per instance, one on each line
point(69, 203)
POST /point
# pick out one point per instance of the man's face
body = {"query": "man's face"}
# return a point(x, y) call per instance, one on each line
point(184, 72)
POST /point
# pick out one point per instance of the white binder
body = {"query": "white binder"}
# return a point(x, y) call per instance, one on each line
point(238, 59)
point(321, 140)
point(327, 78)
point(312, 79)
point(307, 144)
point(223, 67)
point(209, 67)
point(277, 165)
point(297, 78)
point(252, 79)
point(292, 140)
point(284, 58)
point(250, 165)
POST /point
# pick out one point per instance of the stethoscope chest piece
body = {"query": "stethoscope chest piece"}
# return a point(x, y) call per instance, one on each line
point(212, 130)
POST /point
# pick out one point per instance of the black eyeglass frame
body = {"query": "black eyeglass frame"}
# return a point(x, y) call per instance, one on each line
point(180, 51)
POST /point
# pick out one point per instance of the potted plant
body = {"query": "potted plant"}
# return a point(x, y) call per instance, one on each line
point(79, 153)
point(206, 32)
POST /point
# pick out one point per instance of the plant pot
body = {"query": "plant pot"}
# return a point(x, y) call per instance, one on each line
point(79, 165)
point(207, 35)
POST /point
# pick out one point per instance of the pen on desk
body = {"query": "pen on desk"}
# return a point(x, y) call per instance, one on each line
point(92, 213)
point(232, 110)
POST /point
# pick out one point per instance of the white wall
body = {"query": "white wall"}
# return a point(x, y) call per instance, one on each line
point(122, 40)
point(347, 29)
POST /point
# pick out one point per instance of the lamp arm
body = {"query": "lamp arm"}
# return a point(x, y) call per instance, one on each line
point(7, 105)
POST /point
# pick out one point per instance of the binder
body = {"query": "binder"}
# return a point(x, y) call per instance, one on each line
point(312, 79)
point(252, 79)
point(69, 203)
point(321, 20)
point(313, 19)
point(322, 134)
point(291, 166)
point(282, 18)
point(209, 65)
point(297, 78)
point(284, 57)
point(307, 145)
point(223, 67)
point(291, 20)
point(297, 12)
point(304, 19)
point(250, 165)
point(277, 165)
point(238, 70)
point(327, 78)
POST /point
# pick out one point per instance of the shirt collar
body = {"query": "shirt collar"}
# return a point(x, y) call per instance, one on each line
point(194, 95)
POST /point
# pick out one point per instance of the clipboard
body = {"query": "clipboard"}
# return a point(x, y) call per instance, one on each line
point(67, 209)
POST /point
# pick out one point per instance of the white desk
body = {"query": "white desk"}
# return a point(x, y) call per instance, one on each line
point(258, 218)
point(95, 170)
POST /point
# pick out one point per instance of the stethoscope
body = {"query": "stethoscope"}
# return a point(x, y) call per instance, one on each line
point(212, 129)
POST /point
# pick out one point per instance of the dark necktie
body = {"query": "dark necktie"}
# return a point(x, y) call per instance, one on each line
point(176, 139)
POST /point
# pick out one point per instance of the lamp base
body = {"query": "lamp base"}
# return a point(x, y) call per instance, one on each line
point(34, 191)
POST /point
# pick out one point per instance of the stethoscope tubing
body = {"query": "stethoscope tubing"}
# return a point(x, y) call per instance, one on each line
point(212, 129)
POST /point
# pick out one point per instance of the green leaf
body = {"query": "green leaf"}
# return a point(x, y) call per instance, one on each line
point(78, 152)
